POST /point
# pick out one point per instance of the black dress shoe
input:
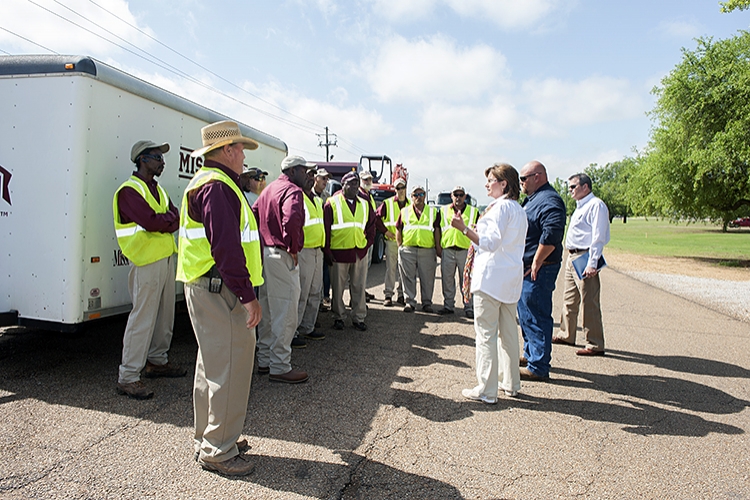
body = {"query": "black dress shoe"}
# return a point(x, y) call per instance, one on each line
point(444, 311)
point(359, 326)
point(298, 343)
point(338, 325)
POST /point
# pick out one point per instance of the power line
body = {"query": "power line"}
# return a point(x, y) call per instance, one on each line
point(30, 41)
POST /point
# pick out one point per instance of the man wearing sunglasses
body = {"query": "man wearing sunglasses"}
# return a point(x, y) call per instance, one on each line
point(587, 235)
point(455, 247)
point(542, 256)
point(387, 216)
point(418, 236)
point(253, 182)
point(145, 219)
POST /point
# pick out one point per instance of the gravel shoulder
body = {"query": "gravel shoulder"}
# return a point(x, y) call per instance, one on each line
point(720, 288)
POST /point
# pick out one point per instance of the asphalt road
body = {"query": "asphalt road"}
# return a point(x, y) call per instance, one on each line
point(663, 415)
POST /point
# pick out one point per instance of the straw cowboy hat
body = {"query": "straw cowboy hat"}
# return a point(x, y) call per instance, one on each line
point(220, 134)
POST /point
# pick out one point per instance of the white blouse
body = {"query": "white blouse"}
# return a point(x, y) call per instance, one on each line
point(498, 262)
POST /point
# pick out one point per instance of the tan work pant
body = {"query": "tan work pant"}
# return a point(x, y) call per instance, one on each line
point(392, 281)
point(413, 262)
point(451, 260)
point(575, 292)
point(279, 298)
point(311, 288)
point(356, 274)
point(148, 333)
point(223, 369)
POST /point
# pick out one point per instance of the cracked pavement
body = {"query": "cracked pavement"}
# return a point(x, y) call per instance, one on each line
point(664, 414)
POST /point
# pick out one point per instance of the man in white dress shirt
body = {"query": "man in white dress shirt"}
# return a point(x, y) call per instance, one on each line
point(588, 231)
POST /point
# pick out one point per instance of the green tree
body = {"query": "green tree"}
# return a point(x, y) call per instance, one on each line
point(731, 5)
point(698, 162)
point(561, 186)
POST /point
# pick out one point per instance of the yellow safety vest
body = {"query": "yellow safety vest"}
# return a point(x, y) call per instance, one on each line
point(418, 232)
point(348, 229)
point(392, 211)
point(194, 257)
point(452, 237)
point(143, 247)
point(315, 232)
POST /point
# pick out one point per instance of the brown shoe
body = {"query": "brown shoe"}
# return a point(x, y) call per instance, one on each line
point(166, 370)
point(135, 390)
point(589, 352)
point(293, 376)
point(238, 465)
point(527, 374)
point(242, 446)
point(559, 340)
point(522, 361)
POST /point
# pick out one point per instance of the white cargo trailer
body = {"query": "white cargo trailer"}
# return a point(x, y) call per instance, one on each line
point(67, 124)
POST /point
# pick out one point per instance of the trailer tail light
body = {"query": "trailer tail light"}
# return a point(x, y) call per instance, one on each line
point(70, 66)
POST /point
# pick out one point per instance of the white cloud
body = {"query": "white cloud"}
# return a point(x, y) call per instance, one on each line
point(680, 29)
point(433, 69)
point(556, 103)
point(47, 29)
point(508, 14)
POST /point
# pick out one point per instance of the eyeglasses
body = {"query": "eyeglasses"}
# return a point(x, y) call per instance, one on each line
point(459, 195)
point(573, 186)
point(524, 177)
point(260, 178)
point(154, 157)
point(418, 195)
point(400, 188)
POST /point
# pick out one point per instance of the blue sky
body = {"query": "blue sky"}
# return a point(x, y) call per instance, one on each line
point(446, 87)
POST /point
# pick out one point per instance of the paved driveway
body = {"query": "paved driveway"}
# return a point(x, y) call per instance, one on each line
point(663, 415)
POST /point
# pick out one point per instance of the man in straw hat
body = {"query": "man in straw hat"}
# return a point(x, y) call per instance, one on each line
point(145, 219)
point(281, 212)
point(220, 262)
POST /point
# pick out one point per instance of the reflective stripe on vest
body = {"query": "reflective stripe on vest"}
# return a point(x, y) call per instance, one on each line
point(347, 229)
point(452, 237)
point(392, 212)
point(194, 253)
point(142, 247)
point(418, 232)
point(315, 232)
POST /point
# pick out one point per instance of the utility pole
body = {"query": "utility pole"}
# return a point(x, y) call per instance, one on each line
point(329, 141)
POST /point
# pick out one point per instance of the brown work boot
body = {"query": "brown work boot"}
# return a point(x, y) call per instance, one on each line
point(238, 465)
point(135, 390)
point(166, 370)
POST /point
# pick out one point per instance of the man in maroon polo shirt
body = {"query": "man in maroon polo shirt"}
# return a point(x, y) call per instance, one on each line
point(151, 280)
point(348, 263)
point(280, 211)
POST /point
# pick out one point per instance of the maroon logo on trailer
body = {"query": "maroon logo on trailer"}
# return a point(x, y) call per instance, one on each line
point(5, 183)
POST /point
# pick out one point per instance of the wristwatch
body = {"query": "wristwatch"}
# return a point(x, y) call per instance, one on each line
point(466, 230)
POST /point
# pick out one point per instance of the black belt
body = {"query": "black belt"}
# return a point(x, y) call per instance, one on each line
point(577, 250)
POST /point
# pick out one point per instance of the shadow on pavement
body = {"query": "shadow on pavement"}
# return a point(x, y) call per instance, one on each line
point(683, 364)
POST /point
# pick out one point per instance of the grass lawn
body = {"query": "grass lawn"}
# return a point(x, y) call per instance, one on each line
point(663, 238)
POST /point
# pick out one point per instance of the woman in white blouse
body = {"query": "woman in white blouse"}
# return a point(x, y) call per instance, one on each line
point(497, 278)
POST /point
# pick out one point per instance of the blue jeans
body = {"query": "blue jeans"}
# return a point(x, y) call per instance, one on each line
point(535, 316)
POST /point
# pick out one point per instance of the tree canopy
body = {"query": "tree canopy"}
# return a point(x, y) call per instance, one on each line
point(731, 5)
point(698, 161)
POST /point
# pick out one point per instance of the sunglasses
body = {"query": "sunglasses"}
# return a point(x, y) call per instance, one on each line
point(572, 186)
point(153, 157)
point(260, 178)
point(524, 177)
point(418, 195)
point(459, 195)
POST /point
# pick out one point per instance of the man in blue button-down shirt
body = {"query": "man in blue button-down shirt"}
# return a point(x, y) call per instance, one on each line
point(545, 211)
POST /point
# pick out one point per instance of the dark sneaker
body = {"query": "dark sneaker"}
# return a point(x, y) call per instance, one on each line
point(166, 370)
point(388, 302)
point(338, 325)
point(313, 335)
point(401, 300)
point(293, 376)
point(238, 465)
point(369, 296)
point(428, 308)
point(136, 390)
point(469, 314)
point(444, 311)
point(359, 326)
point(298, 343)
point(408, 308)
